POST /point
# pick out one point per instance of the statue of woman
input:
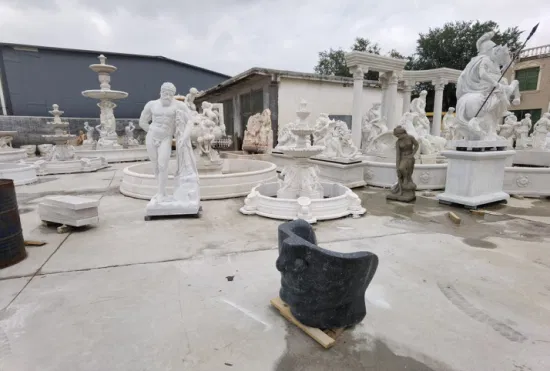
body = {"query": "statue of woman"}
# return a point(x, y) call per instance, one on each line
point(540, 132)
point(405, 147)
point(448, 124)
point(522, 132)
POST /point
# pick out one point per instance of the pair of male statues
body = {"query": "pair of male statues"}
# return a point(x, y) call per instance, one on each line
point(170, 117)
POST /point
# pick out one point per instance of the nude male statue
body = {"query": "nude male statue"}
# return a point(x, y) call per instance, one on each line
point(162, 112)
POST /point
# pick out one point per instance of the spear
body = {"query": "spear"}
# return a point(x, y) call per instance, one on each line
point(509, 65)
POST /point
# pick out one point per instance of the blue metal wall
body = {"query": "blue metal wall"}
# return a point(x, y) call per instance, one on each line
point(34, 80)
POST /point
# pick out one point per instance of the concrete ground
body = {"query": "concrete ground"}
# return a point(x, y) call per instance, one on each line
point(131, 295)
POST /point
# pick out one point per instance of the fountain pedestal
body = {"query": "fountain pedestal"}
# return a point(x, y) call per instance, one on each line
point(7, 152)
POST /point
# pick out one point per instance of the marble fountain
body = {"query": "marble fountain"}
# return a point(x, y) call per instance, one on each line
point(61, 158)
point(108, 145)
point(301, 194)
point(20, 173)
point(219, 177)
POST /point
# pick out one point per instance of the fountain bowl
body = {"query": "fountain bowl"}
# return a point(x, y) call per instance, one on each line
point(298, 152)
point(238, 176)
point(102, 68)
point(302, 132)
point(105, 94)
point(21, 174)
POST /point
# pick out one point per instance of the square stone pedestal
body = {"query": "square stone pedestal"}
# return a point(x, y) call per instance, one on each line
point(475, 178)
point(69, 210)
point(344, 171)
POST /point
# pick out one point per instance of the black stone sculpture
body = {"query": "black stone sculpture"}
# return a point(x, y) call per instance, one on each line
point(405, 147)
point(323, 289)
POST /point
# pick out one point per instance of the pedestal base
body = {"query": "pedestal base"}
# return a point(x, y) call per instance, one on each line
point(185, 201)
point(532, 157)
point(69, 210)
point(475, 178)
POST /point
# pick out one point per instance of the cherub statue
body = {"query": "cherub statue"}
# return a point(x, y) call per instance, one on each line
point(522, 132)
point(190, 98)
point(540, 132)
point(508, 128)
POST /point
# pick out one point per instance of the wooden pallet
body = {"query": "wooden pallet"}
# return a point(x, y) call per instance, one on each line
point(326, 338)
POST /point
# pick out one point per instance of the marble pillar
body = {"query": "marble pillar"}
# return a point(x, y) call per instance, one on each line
point(384, 86)
point(439, 85)
point(407, 90)
point(357, 113)
point(391, 100)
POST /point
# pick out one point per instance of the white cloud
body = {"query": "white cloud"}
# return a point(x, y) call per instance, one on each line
point(231, 36)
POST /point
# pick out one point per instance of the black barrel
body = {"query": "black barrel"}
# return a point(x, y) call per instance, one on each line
point(12, 244)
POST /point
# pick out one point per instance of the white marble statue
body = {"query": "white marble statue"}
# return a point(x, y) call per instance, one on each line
point(540, 132)
point(508, 129)
point(429, 144)
point(89, 134)
point(474, 85)
point(258, 136)
point(448, 124)
point(5, 143)
point(171, 117)
point(522, 132)
point(285, 137)
point(129, 135)
point(206, 127)
point(190, 98)
point(373, 126)
point(335, 136)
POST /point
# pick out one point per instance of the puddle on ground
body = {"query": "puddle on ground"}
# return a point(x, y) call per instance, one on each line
point(303, 354)
point(474, 229)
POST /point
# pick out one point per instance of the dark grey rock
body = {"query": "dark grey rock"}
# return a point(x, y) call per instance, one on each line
point(324, 289)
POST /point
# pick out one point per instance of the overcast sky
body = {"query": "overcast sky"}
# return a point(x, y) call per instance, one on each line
point(231, 36)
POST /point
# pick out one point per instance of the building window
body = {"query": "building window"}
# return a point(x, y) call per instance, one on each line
point(528, 78)
point(228, 116)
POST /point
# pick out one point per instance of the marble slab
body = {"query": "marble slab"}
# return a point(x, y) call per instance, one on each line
point(69, 210)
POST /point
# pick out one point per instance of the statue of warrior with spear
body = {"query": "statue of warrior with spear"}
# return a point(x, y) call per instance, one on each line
point(483, 94)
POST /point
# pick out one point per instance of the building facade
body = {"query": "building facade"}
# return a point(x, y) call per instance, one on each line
point(32, 78)
point(281, 91)
point(532, 70)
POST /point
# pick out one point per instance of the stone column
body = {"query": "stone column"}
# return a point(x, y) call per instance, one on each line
point(407, 96)
point(357, 112)
point(391, 99)
point(384, 86)
point(438, 106)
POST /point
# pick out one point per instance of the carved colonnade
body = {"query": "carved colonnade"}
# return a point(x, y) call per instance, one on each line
point(439, 77)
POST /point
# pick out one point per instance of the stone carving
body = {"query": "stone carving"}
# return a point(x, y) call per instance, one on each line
point(81, 138)
point(324, 289)
point(540, 132)
point(45, 150)
point(406, 147)
point(508, 129)
point(190, 99)
point(425, 177)
point(335, 137)
point(522, 132)
point(474, 85)
point(5, 142)
point(171, 117)
point(258, 136)
point(129, 135)
point(206, 128)
point(449, 124)
point(89, 134)
point(522, 181)
point(372, 127)
point(429, 144)
point(286, 138)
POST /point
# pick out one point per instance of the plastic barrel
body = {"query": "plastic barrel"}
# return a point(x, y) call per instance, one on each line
point(12, 244)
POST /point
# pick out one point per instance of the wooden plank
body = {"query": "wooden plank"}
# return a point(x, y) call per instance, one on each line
point(318, 335)
point(34, 243)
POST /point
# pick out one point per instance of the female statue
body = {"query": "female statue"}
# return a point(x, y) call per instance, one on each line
point(405, 147)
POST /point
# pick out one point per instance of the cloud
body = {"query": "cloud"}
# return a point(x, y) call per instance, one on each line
point(231, 36)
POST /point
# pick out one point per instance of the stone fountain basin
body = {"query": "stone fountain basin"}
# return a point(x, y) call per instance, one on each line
point(111, 155)
point(105, 94)
point(20, 173)
point(13, 155)
point(336, 204)
point(238, 177)
point(102, 68)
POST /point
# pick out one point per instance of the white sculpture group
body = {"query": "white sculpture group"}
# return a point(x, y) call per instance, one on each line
point(258, 136)
point(518, 131)
point(170, 118)
point(335, 136)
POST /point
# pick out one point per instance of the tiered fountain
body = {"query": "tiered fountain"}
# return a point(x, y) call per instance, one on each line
point(20, 173)
point(107, 146)
point(301, 194)
point(61, 159)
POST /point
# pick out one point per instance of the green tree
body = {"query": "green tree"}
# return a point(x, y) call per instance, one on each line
point(452, 46)
point(332, 62)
